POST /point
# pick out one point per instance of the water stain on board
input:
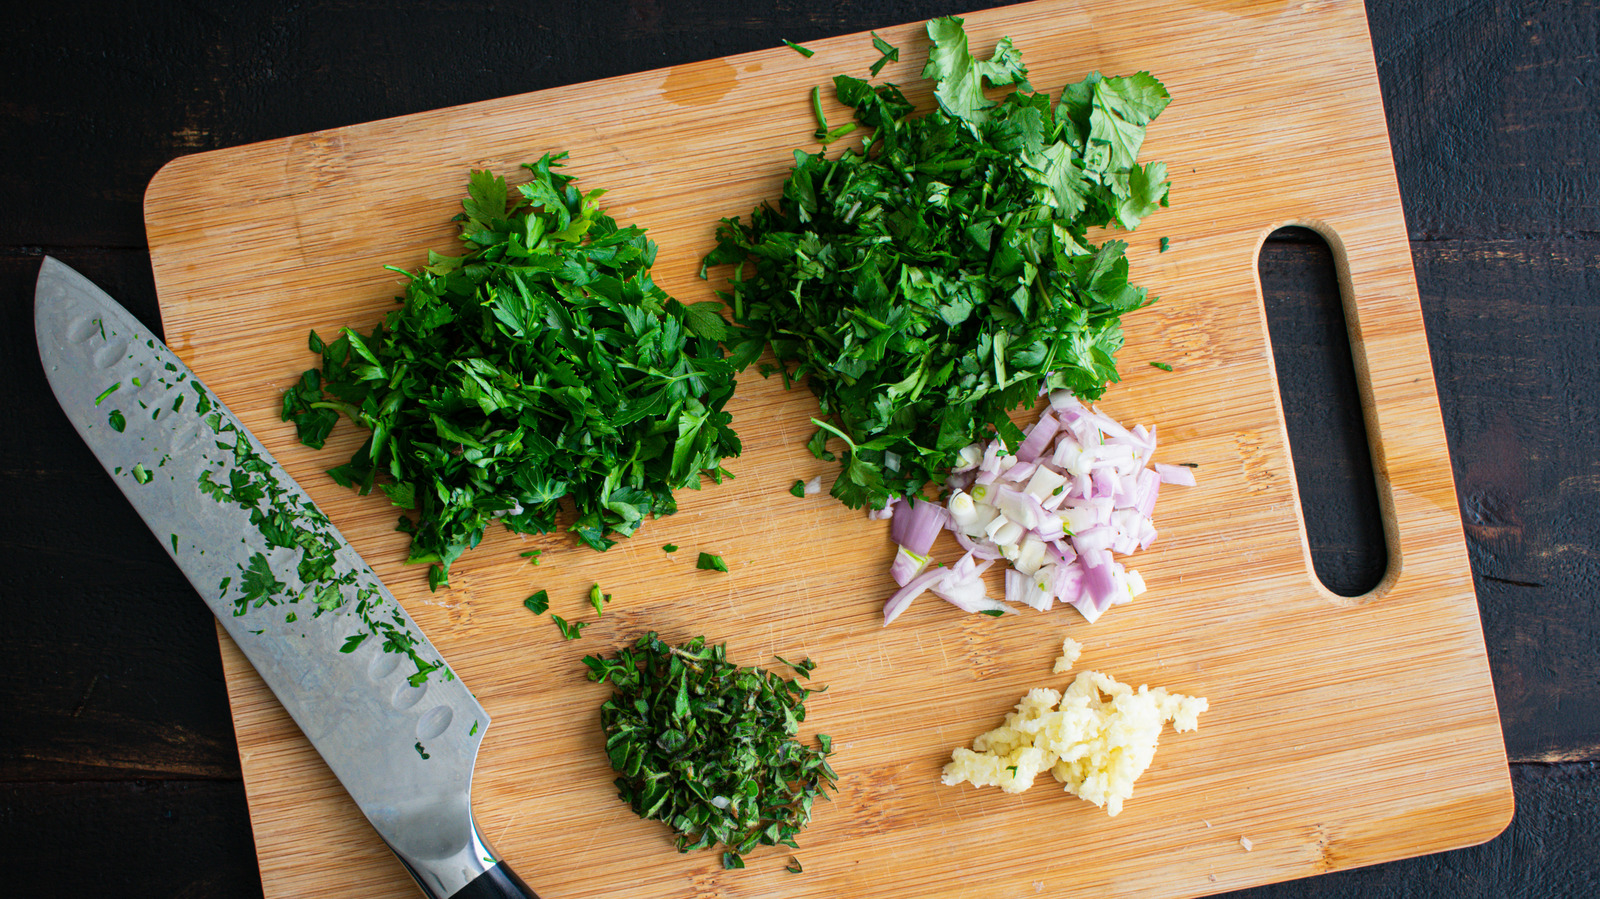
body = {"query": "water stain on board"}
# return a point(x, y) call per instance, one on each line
point(699, 84)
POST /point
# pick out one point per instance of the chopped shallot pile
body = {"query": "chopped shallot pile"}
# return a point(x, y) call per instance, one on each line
point(1079, 488)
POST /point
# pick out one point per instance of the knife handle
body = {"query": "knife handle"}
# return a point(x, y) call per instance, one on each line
point(499, 882)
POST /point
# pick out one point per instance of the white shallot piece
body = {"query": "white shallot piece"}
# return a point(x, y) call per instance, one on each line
point(1080, 490)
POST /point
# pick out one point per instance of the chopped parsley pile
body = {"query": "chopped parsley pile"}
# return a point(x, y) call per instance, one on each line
point(709, 747)
point(541, 365)
point(942, 274)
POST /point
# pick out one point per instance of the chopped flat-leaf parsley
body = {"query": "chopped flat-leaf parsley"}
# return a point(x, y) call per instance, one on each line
point(1161, 365)
point(669, 547)
point(807, 53)
point(710, 562)
point(572, 630)
point(939, 276)
point(710, 748)
point(542, 366)
point(538, 603)
point(798, 488)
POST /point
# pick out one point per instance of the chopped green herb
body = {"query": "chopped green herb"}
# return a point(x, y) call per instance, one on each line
point(291, 618)
point(799, 49)
point(141, 474)
point(709, 562)
point(932, 280)
point(890, 52)
point(992, 613)
point(107, 392)
point(174, 544)
point(798, 488)
point(474, 731)
point(708, 747)
point(542, 366)
point(1165, 242)
point(1161, 365)
point(597, 600)
point(532, 556)
point(352, 642)
point(422, 752)
point(669, 547)
point(117, 421)
point(793, 867)
point(570, 630)
point(538, 603)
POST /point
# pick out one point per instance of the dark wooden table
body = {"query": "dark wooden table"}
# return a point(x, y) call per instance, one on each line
point(118, 768)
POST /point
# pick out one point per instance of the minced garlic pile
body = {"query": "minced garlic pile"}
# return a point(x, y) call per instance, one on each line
point(1096, 739)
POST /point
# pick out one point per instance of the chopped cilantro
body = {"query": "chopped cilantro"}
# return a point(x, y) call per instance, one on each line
point(939, 276)
point(352, 642)
point(891, 53)
point(710, 562)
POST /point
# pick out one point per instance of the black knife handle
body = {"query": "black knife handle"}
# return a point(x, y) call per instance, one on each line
point(499, 882)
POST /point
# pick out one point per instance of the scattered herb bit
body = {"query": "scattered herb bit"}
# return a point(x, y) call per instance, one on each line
point(141, 474)
point(708, 747)
point(107, 392)
point(992, 613)
point(731, 860)
point(799, 49)
point(422, 752)
point(709, 562)
point(928, 282)
point(597, 600)
point(669, 547)
point(1165, 242)
point(538, 603)
point(532, 556)
point(891, 53)
point(793, 867)
point(474, 731)
point(570, 630)
point(1161, 365)
point(174, 544)
point(117, 421)
point(352, 642)
point(798, 489)
point(541, 366)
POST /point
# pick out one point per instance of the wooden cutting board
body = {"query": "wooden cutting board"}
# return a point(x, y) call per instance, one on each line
point(1341, 732)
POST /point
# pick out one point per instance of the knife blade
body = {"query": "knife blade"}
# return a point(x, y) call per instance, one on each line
point(372, 694)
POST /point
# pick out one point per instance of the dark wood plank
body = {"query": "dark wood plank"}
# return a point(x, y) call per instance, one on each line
point(175, 839)
point(1513, 328)
point(1492, 114)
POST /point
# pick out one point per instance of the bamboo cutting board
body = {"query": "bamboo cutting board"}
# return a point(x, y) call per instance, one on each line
point(1341, 732)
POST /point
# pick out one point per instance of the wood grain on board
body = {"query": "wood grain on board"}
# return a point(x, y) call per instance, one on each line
point(1342, 732)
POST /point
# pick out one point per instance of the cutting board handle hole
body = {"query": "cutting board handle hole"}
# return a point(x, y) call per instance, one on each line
point(1322, 407)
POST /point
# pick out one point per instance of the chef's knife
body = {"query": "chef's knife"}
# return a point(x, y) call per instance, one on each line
point(399, 730)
